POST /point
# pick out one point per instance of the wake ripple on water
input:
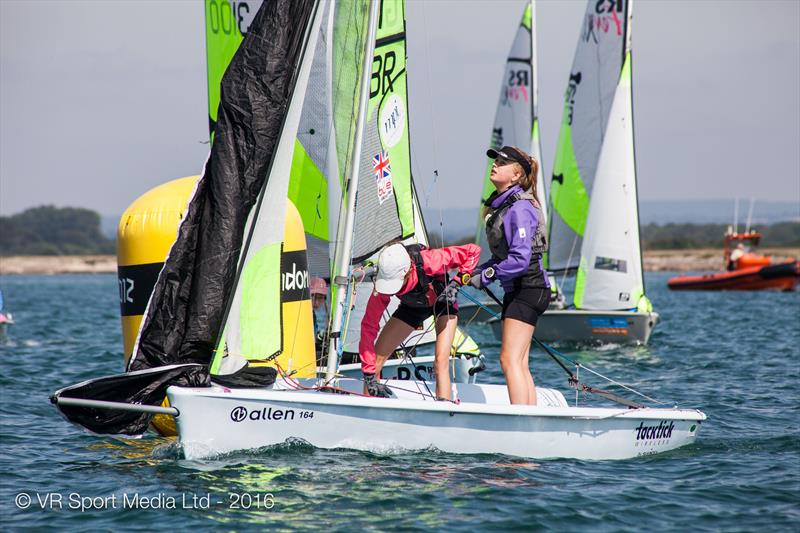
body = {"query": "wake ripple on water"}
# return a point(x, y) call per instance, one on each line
point(741, 474)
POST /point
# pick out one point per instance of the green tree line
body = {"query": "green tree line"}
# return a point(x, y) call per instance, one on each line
point(693, 236)
point(49, 230)
point(686, 236)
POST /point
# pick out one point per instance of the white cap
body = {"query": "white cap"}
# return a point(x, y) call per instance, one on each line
point(393, 264)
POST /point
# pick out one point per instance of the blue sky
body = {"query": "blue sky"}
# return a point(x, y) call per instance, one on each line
point(100, 101)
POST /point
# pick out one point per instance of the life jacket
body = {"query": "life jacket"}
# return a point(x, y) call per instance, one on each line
point(495, 236)
point(427, 289)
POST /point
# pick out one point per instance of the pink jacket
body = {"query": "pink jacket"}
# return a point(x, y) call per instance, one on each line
point(436, 263)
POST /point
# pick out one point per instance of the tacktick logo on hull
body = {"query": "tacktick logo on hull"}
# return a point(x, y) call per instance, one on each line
point(663, 431)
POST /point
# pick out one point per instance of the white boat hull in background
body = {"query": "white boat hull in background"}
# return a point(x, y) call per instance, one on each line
point(591, 327)
point(216, 420)
point(462, 369)
point(471, 312)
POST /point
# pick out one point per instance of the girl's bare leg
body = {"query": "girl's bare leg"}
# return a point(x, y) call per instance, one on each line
point(390, 337)
point(514, 361)
point(445, 332)
point(527, 366)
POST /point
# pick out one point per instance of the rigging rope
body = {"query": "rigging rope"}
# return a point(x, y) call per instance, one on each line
point(573, 378)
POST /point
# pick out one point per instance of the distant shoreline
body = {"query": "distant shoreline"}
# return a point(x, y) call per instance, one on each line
point(58, 264)
point(705, 259)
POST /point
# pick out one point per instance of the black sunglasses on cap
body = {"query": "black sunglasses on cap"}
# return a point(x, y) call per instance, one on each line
point(510, 153)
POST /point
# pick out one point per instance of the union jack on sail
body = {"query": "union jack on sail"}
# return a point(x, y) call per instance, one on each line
point(383, 175)
point(380, 165)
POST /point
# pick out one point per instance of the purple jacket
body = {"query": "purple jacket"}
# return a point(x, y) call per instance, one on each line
point(520, 222)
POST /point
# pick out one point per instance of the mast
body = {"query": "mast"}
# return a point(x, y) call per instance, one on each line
point(536, 141)
point(341, 272)
point(627, 49)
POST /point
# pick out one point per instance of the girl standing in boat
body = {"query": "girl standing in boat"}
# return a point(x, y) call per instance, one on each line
point(415, 275)
point(515, 233)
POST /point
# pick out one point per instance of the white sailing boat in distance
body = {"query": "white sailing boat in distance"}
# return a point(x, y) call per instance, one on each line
point(594, 214)
point(233, 406)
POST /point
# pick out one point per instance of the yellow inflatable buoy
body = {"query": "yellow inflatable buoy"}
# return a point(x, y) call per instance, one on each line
point(146, 232)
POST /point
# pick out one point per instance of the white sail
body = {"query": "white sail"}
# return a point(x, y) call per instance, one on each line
point(610, 272)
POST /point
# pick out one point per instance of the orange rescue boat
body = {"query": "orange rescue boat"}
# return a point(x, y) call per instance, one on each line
point(747, 270)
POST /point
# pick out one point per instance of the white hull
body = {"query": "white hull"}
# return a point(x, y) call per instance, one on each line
point(462, 369)
point(218, 420)
point(580, 326)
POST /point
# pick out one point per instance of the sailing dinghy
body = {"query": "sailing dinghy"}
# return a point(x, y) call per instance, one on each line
point(315, 189)
point(594, 214)
point(246, 398)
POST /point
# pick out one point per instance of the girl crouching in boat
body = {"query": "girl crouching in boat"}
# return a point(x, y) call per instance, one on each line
point(417, 277)
point(515, 233)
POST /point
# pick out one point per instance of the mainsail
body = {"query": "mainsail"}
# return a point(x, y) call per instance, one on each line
point(516, 121)
point(387, 198)
point(226, 25)
point(590, 92)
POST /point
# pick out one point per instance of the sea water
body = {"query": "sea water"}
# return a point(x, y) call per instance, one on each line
point(733, 355)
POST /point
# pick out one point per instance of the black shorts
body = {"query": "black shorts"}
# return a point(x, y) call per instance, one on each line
point(415, 316)
point(526, 305)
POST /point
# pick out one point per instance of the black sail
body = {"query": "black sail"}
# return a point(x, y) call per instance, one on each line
point(188, 305)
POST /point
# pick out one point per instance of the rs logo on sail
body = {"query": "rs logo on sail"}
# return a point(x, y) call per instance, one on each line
point(569, 96)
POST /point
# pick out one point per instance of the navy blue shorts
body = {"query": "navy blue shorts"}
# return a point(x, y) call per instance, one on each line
point(415, 316)
point(526, 305)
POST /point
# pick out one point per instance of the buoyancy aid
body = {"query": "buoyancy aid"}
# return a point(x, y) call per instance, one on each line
point(427, 289)
point(495, 237)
